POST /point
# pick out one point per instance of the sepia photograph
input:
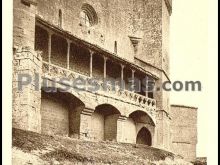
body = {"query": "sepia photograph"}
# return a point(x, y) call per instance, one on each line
point(110, 82)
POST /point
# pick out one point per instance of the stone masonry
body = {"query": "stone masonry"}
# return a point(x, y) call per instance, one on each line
point(115, 40)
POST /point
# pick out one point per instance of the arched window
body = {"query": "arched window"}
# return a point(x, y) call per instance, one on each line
point(88, 16)
point(85, 19)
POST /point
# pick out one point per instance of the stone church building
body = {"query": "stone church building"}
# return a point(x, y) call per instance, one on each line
point(98, 39)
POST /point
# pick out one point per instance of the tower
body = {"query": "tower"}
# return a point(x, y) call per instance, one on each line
point(151, 24)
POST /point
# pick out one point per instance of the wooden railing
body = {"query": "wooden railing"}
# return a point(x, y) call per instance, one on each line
point(104, 88)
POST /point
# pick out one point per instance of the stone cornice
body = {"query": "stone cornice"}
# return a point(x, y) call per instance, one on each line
point(184, 106)
point(159, 69)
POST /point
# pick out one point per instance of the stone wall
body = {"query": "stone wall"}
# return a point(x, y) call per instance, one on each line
point(184, 131)
point(117, 22)
point(26, 100)
point(24, 23)
point(54, 116)
point(59, 51)
point(98, 126)
point(113, 24)
point(111, 127)
point(130, 136)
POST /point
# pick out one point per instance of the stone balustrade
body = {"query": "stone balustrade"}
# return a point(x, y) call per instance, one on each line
point(105, 89)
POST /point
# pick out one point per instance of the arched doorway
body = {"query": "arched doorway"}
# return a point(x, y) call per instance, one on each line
point(144, 137)
point(139, 128)
point(104, 122)
point(60, 112)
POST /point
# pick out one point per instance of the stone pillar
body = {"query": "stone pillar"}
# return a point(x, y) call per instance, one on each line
point(91, 63)
point(133, 80)
point(146, 86)
point(85, 123)
point(105, 62)
point(80, 122)
point(49, 47)
point(68, 53)
point(122, 72)
point(27, 100)
point(121, 128)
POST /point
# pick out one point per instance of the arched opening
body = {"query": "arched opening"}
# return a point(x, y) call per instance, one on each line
point(135, 123)
point(88, 15)
point(144, 137)
point(85, 19)
point(141, 117)
point(104, 122)
point(60, 113)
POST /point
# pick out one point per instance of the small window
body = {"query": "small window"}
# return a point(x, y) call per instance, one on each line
point(116, 47)
point(60, 18)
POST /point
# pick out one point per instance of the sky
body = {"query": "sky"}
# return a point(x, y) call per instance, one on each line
point(188, 59)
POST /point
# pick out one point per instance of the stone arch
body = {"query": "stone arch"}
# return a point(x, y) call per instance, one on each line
point(104, 122)
point(142, 117)
point(135, 122)
point(144, 137)
point(60, 112)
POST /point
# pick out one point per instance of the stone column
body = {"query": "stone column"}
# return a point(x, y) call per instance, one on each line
point(49, 47)
point(91, 63)
point(122, 72)
point(133, 81)
point(80, 122)
point(146, 86)
point(68, 53)
point(105, 62)
point(26, 115)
